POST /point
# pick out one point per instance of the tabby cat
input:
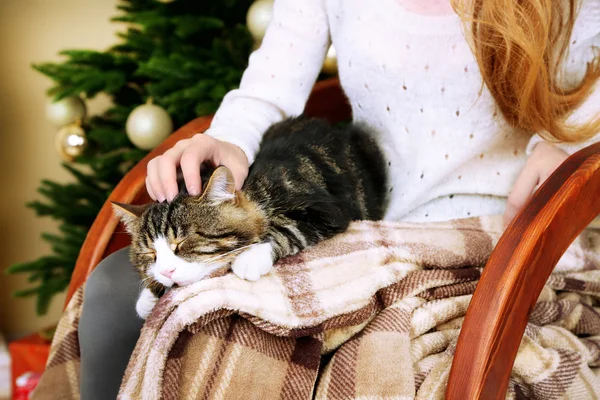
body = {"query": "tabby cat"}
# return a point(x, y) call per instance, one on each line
point(308, 181)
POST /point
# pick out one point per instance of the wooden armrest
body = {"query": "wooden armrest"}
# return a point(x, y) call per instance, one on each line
point(515, 275)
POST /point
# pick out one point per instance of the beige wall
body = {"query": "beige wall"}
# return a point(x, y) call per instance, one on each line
point(34, 31)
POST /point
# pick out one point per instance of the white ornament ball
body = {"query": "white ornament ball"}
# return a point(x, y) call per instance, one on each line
point(330, 65)
point(65, 111)
point(258, 18)
point(148, 125)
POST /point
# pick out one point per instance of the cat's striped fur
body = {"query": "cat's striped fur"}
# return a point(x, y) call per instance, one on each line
point(308, 181)
point(311, 180)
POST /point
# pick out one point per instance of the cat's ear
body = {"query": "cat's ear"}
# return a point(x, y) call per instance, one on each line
point(128, 213)
point(220, 187)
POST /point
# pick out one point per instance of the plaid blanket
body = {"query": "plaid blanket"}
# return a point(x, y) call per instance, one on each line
point(373, 313)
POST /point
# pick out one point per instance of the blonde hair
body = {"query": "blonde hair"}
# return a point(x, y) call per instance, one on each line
point(519, 47)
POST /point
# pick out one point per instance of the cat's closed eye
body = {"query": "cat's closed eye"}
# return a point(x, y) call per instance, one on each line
point(148, 254)
point(177, 245)
point(219, 235)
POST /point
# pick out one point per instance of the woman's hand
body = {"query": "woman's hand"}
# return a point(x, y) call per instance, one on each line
point(161, 180)
point(544, 159)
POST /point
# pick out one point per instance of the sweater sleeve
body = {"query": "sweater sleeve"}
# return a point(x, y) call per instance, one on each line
point(279, 76)
point(583, 48)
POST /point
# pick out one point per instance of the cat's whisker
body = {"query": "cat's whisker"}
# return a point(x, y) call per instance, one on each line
point(215, 258)
point(145, 280)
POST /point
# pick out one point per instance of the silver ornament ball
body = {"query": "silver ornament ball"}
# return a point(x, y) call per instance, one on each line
point(65, 111)
point(258, 18)
point(148, 125)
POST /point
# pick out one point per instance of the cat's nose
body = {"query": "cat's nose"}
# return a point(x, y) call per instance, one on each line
point(168, 273)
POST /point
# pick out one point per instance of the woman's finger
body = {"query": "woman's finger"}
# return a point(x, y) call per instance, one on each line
point(200, 149)
point(235, 159)
point(239, 175)
point(153, 181)
point(521, 192)
point(149, 189)
point(167, 168)
point(167, 172)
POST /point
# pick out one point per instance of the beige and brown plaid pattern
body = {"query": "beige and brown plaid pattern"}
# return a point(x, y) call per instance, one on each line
point(61, 378)
point(373, 313)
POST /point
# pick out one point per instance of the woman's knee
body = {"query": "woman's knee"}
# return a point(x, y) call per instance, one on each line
point(114, 276)
point(109, 326)
point(110, 295)
point(111, 292)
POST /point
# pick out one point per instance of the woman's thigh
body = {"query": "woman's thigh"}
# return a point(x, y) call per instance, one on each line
point(109, 326)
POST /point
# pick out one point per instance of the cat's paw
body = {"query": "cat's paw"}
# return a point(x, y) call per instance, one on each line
point(145, 303)
point(254, 262)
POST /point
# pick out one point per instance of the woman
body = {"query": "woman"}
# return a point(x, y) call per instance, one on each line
point(473, 112)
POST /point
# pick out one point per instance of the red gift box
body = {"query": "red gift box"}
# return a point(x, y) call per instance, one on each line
point(25, 385)
point(28, 354)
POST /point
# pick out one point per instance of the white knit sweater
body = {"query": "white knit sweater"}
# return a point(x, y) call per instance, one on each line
point(415, 81)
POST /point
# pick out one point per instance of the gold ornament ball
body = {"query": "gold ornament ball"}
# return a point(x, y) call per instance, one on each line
point(65, 111)
point(71, 142)
point(258, 18)
point(330, 65)
point(148, 125)
point(165, 1)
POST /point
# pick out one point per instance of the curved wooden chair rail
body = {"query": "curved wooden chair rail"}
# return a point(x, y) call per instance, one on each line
point(511, 281)
point(515, 274)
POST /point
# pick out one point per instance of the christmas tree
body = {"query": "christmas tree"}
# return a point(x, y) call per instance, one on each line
point(184, 55)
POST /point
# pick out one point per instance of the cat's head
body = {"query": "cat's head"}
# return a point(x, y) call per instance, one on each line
point(184, 241)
